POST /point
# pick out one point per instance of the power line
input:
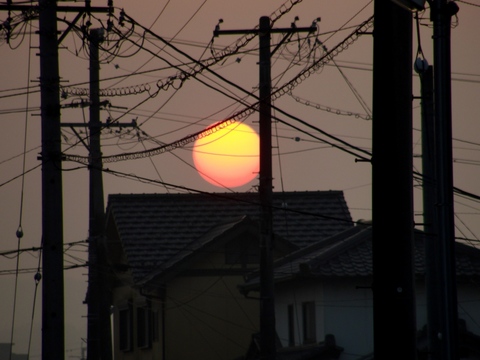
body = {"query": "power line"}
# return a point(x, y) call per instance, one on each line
point(282, 90)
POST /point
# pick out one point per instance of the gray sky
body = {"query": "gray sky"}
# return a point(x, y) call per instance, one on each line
point(336, 98)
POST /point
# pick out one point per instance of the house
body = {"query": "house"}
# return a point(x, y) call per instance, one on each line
point(325, 290)
point(176, 261)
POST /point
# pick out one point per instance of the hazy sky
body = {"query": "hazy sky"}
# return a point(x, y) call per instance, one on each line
point(334, 98)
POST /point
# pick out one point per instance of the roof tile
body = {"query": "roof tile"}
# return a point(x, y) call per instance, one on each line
point(155, 227)
point(349, 254)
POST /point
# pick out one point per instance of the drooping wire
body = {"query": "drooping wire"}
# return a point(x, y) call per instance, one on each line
point(12, 331)
point(329, 109)
point(419, 54)
point(245, 39)
point(357, 95)
point(153, 164)
point(248, 107)
point(19, 232)
point(275, 124)
point(161, 49)
point(37, 277)
point(189, 165)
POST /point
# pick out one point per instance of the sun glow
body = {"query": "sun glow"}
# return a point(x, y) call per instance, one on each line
point(227, 155)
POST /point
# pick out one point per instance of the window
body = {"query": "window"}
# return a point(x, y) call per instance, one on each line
point(309, 326)
point(291, 325)
point(125, 323)
point(144, 326)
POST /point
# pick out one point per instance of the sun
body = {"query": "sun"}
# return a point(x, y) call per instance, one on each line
point(227, 154)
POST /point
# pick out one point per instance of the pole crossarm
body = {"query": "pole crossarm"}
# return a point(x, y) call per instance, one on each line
point(103, 125)
point(81, 10)
point(155, 151)
point(290, 30)
point(92, 9)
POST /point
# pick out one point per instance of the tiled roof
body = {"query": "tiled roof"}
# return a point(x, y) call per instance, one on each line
point(198, 247)
point(349, 254)
point(153, 228)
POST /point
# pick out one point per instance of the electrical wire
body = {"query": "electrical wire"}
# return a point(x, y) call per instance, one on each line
point(156, 151)
point(191, 166)
point(153, 164)
point(468, 3)
point(37, 278)
point(19, 232)
point(192, 190)
point(282, 90)
point(161, 49)
point(24, 172)
point(329, 109)
point(318, 129)
point(275, 124)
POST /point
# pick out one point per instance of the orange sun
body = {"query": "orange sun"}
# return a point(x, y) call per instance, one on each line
point(227, 154)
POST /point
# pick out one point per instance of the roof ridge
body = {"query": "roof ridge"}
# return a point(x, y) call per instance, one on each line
point(202, 241)
point(332, 240)
point(154, 227)
point(309, 250)
point(339, 247)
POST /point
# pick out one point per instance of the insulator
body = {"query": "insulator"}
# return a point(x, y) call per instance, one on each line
point(37, 277)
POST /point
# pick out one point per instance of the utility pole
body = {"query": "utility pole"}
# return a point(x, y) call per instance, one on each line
point(392, 185)
point(99, 344)
point(99, 334)
point(53, 316)
point(447, 334)
point(432, 264)
point(267, 304)
point(53, 324)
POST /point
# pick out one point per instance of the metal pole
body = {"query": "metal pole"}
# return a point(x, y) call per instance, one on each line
point(442, 11)
point(392, 185)
point(267, 309)
point(53, 341)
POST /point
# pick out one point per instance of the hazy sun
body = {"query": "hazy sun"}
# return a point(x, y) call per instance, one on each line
point(227, 156)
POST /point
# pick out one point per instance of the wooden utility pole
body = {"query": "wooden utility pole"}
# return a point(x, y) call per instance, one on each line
point(392, 185)
point(267, 304)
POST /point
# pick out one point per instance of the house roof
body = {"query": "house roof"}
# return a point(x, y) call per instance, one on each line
point(349, 254)
point(156, 228)
point(219, 233)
